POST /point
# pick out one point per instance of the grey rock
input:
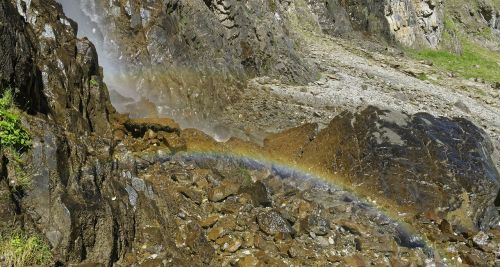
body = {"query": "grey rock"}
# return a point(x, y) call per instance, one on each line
point(271, 223)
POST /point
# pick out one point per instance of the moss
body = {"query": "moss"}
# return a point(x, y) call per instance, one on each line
point(19, 249)
point(94, 83)
point(272, 5)
point(422, 76)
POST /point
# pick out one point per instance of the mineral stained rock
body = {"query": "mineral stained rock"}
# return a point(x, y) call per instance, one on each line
point(139, 200)
point(420, 161)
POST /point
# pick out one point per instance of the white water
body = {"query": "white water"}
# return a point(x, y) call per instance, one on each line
point(118, 77)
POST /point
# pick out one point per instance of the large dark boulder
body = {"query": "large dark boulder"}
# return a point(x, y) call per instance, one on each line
point(422, 162)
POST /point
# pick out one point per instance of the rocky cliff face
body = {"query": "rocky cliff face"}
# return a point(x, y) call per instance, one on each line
point(112, 191)
point(228, 37)
point(199, 53)
point(53, 72)
point(410, 23)
point(57, 78)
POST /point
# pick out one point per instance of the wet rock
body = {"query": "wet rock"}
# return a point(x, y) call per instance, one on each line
point(173, 141)
point(316, 224)
point(248, 261)
point(436, 150)
point(481, 239)
point(355, 261)
point(198, 243)
point(446, 227)
point(221, 192)
point(194, 195)
point(229, 243)
point(351, 226)
point(259, 194)
point(473, 259)
point(215, 233)
point(271, 223)
point(139, 127)
point(209, 221)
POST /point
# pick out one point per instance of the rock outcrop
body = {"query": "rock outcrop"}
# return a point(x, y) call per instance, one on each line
point(108, 190)
point(188, 59)
point(412, 23)
point(421, 162)
point(56, 77)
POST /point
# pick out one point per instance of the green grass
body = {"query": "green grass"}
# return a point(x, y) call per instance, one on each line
point(20, 249)
point(474, 62)
point(422, 76)
point(12, 134)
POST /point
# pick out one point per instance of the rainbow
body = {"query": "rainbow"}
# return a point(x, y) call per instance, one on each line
point(248, 158)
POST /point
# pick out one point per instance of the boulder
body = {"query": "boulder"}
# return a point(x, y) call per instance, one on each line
point(420, 161)
point(271, 223)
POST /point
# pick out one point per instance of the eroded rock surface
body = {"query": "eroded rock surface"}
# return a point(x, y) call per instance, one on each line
point(109, 190)
point(412, 23)
point(420, 161)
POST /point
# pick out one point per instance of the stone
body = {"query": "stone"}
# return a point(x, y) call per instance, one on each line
point(221, 192)
point(248, 261)
point(462, 106)
point(352, 227)
point(139, 127)
point(316, 224)
point(215, 233)
point(209, 221)
point(173, 141)
point(446, 227)
point(229, 243)
point(259, 194)
point(355, 261)
point(394, 142)
point(481, 239)
point(271, 223)
point(192, 194)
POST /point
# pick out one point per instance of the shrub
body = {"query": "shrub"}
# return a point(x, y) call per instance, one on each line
point(12, 134)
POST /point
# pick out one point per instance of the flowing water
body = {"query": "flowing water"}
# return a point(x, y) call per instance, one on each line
point(143, 89)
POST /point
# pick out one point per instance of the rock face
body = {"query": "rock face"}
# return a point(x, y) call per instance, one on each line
point(57, 77)
point(188, 59)
point(424, 162)
point(231, 37)
point(412, 23)
point(113, 191)
point(54, 73)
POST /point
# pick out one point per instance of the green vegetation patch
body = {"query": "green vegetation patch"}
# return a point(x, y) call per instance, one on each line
point(14, 140)
point(19, 249)
point(474, 61)
point(12, 134)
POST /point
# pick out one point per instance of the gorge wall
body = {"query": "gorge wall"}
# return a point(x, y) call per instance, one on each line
point(112, 191)
point(412, 23)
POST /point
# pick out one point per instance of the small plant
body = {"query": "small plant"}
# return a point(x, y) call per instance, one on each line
point(12, 134)
point(14, 139)
point(19, 249)
point(244, 175)
point(422, 76)
point(94, 83)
